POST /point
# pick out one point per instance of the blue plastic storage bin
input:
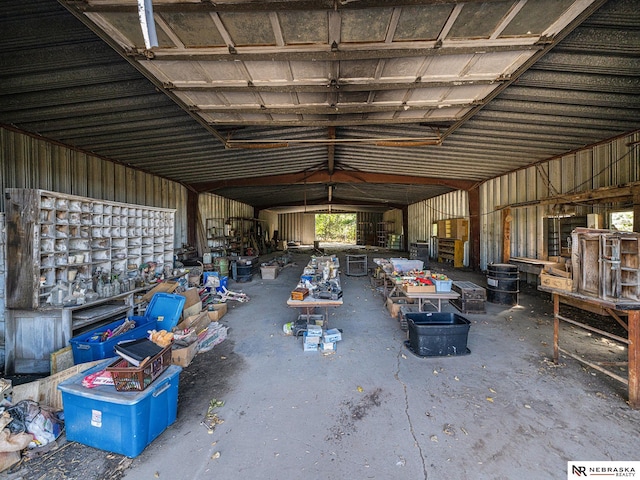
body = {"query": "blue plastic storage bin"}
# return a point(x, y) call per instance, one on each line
point(84, 350)
point(165, 309)
point(443, 286)
point(165, 305)
point(119, 422)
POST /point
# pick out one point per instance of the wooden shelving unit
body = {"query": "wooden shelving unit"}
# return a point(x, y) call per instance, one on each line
point(419, 251)
point(451, 250)
point(217, 239)
point(365, 233)
point(245, 236)
point(383, 230)
point(57, 239)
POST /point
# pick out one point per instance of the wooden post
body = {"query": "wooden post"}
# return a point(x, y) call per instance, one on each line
point(192, 218)
point(556, 326)
point(405, 229)
point(474, 228)
point(634, 358)
point(506, 235)
point(636, 209)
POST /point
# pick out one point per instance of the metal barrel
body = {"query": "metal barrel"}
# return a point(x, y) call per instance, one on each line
point(502, 283)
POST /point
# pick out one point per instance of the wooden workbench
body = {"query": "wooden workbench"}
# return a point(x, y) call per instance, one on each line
point(309, 304)
point(632, 325)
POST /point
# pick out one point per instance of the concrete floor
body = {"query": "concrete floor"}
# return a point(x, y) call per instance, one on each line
point(374, 410)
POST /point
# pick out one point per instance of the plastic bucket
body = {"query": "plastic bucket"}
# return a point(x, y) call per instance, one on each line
point(502, 283)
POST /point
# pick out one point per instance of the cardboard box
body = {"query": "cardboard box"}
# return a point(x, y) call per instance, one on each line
point(192, 304)
point(198, 323)
point(419, 288)
point(394, 304)
point(183, 356)
point(214, 335)
point(314, 330)
point(332, 335)
point(559, 283)
point(269, 272)
point(328, 347)
point(310, 347)
point(219, 311)
point(310, 339)
point(168, 286)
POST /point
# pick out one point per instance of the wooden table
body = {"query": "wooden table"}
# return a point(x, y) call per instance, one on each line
point(309, 304)
point(613, 307)
point(430, 298)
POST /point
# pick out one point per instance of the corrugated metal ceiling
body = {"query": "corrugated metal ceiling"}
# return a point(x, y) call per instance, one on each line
point(326, 98)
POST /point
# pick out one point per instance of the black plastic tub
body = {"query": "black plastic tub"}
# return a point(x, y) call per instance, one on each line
point(438, 334)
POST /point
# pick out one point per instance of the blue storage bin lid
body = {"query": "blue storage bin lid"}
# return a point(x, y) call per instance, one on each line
point(166, 305)
point(108, 393)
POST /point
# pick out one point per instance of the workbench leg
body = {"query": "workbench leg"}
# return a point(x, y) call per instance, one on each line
point(556, 326)
point(634, 358)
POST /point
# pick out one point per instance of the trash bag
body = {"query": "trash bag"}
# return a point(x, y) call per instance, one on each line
point(40, 421)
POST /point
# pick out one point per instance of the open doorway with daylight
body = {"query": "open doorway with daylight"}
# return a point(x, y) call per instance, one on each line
point(622, 221)
point(336, 228)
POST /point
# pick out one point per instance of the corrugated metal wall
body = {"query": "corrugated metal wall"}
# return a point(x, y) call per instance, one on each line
point(297, 227)
point(215, 206)
point(423, 215)
point(608, 164)
point(394, 216)
point(29, 162)
point(2, 284)
point(270, 223)
point(366, 223)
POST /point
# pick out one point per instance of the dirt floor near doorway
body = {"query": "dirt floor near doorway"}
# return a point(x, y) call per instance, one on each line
point(373, 409)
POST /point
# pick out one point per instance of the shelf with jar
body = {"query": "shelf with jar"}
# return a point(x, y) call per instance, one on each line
point(218, 231)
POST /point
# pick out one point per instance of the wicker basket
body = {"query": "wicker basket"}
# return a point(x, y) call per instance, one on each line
point(127, 378)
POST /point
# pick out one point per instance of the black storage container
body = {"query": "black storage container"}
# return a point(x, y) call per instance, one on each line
point(438, 334)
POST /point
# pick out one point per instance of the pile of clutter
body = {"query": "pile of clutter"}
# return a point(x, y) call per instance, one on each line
point(315, 339)
point(25, 425)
